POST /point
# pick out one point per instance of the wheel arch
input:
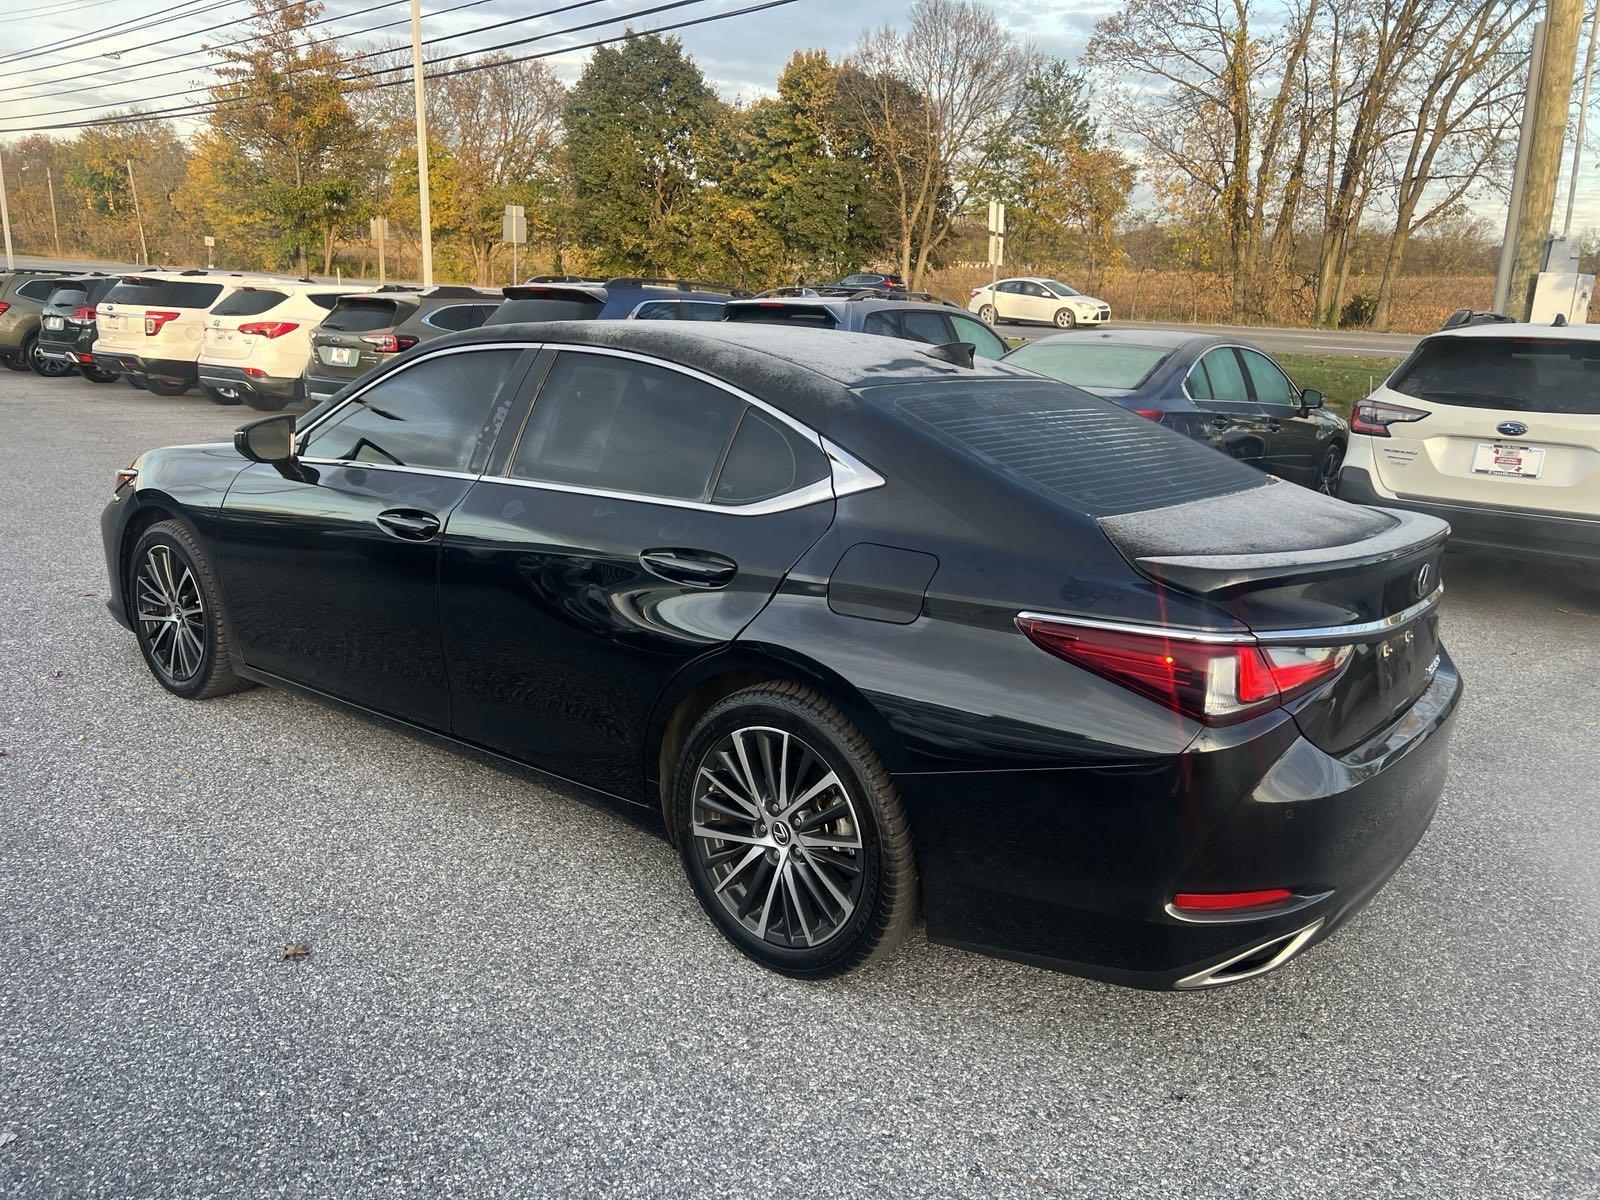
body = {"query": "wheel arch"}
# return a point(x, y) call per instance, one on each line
point(701, 684)
point(154, 507)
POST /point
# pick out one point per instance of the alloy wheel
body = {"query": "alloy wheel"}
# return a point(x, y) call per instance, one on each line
point(172, 614)
point(1328, 473)
point(778, 835)
point(987, 314)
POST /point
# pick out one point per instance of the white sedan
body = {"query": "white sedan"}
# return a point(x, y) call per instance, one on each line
point(1036, 298)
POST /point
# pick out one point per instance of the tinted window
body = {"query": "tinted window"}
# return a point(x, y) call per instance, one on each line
point(429, 415)
point(1009, 286)
point(323, 302)
point(1060, 289)
point(1219, 377)
point(767, 459)
point(567, 307)
point(67, 297)
point(164, 293)
point(1091, 364)
point(457, 316)
point(1067, 445)
point(249, 302)
point(362, 316)
point(626, 426)
point(925, 327)
point(983, 340)
point(880, 323)
point(862, 280)
point(38, 289)
point(1271, 384)
point(768, 312)
point(679, 310)
point(1520, 374)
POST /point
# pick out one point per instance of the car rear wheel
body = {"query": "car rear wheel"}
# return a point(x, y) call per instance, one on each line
point(1328, 471)
point(96, 375)
point(164, 387)
point(173, 603)
point(987, 314)
point(42, 364)
point(792, 833)
point(17, 361)
point(1065, 319)
point(219, 396)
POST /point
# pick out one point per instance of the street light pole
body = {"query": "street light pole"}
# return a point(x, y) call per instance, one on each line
point(422, 143)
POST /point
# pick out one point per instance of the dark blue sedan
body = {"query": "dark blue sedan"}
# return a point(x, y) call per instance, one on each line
point(1227, 394)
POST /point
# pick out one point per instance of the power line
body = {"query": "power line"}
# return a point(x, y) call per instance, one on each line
point(73, 41)
point(202, 109)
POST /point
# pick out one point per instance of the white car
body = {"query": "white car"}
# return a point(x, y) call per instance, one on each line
point(1496, 429)
point(1036, 298)
point(257, 341)
point(148, 327)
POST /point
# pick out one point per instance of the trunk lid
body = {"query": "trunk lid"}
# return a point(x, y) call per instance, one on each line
point(338, 348)
point(1299, 568)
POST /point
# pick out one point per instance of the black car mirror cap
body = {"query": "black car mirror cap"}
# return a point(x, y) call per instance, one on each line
point(269, 440)
point(1310, 398)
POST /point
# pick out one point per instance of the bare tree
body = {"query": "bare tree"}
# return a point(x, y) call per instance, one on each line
point(964, 73)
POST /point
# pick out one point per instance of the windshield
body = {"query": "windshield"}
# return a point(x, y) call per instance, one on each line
point(1089, 365)
point(1059, 288)
point(1522, 374)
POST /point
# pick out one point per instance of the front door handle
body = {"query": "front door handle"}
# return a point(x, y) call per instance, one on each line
point(1273, 426)
point(409, 524)
point(1220, 422)
point(696, 568)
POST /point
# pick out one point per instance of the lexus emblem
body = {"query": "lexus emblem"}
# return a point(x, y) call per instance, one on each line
point(1511, 428)
point(1424, 576)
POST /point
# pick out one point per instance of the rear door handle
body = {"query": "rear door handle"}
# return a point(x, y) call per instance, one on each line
point(409, 524)
point(696, 568)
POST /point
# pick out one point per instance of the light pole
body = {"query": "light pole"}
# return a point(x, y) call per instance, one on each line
point(5, 219)
point(144, 251)
point(422, 143)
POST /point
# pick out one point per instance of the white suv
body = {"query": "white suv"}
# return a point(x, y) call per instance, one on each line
point(1496, 429)
point(257, 341)
point(149, 325)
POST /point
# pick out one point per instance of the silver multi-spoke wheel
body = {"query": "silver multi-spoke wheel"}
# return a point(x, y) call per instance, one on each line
point(779, 837)
point(172, 613)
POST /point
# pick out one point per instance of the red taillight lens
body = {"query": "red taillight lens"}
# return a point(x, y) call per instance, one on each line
point(976, 292)
point(388, 343)
point(1224, 901)
point(1214, 682)
point(83, 312)
point(269, 329)
point(1149, 414)
point(1374, 417)
point(255, 372)
point(3, 308)
point(155, 319)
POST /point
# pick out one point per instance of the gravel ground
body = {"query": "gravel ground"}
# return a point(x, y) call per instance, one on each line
point(512, 991)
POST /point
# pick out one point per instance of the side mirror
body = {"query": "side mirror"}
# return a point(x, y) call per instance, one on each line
point(1310, 398)
point(269, 440)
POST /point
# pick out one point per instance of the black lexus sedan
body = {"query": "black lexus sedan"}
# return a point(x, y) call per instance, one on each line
point(879, 634)
point(1227, 394)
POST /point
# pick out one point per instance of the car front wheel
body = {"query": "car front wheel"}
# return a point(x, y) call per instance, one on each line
point(792, 833)
point(174, 606)
point(1065, 319)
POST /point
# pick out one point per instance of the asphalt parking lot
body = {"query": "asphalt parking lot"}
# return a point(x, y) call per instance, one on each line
point(512, 991)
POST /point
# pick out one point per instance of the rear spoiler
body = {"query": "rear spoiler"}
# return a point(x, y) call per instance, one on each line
point(579, 290)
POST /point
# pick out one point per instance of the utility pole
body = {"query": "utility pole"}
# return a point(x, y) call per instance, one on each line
point(1508, 242)
point(1551, 104)
point(144, 251)
point(55, 229)
point(5, 219)
point(422, 143)
point(1583, 119)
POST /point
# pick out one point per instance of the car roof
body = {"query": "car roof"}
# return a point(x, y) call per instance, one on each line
point(1579, 332)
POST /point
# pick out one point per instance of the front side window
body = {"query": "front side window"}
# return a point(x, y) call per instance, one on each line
point(619, 425)
point(1060, 289)
point(1272, 386)
point(983, 340)
point(434, 414)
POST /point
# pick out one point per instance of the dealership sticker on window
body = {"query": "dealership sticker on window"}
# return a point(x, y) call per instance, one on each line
point(1498, 458)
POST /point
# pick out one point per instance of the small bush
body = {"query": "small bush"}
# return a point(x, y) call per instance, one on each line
point(1358, 311)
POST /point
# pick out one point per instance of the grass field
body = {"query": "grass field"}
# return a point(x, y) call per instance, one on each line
point(1342, 378)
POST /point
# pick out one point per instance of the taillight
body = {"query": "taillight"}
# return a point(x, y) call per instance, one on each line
point(3, 308)
point(978, 291)
point(388, 343)
point(84, 312)
point(255, 372)
point(1374, 417)
point(269, 329)
point(1149, 414)
point(1230, 901)
point(1216, 682)
point(155, 319)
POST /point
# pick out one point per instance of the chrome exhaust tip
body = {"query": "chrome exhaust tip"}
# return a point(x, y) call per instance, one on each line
point(1258, 960)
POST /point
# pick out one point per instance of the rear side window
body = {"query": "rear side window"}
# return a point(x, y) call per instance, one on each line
point(927, 327)
point(783, 314)
point(1071, 447)
point(767, 459)
point(1519, 374)
point(624, 426)
point(1090, 364)
point(38, 289)
point(324, 302)
point(164, 293)
point(459, 316)
point(249, 302)
point(361, 316)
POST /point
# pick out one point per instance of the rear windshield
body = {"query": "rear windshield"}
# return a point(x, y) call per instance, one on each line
point(1518, 373)
point(68, 297)
point(680, 310)
point(362, 316)
point(249, 302)
point(1067, 445)
point(570, 307)
point(1088, 364)
point(783, 314)
point(164, 293)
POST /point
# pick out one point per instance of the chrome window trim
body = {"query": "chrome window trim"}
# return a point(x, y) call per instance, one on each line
point(1242, 367)
point(1314, 635)
point(363, 464)
point(812, 493)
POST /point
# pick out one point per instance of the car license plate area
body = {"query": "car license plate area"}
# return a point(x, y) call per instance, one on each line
point(337, 356)
point(1507, 459)
point(54, 323)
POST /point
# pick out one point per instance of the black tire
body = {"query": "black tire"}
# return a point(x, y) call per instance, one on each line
point(16, 362)
point(136, 384)
point(1327, 480)
point(216, 396)
point(50, 368)
point(96, 375)
point(874, 880)
point(188, 654)
point(1065, 319)
point(164, 387)
point(266, 403)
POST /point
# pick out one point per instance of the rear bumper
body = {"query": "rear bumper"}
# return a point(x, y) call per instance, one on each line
point(1076, 869)
point(1508, 531)
point(138, 368)
point(320, 387)
point(234, 379)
